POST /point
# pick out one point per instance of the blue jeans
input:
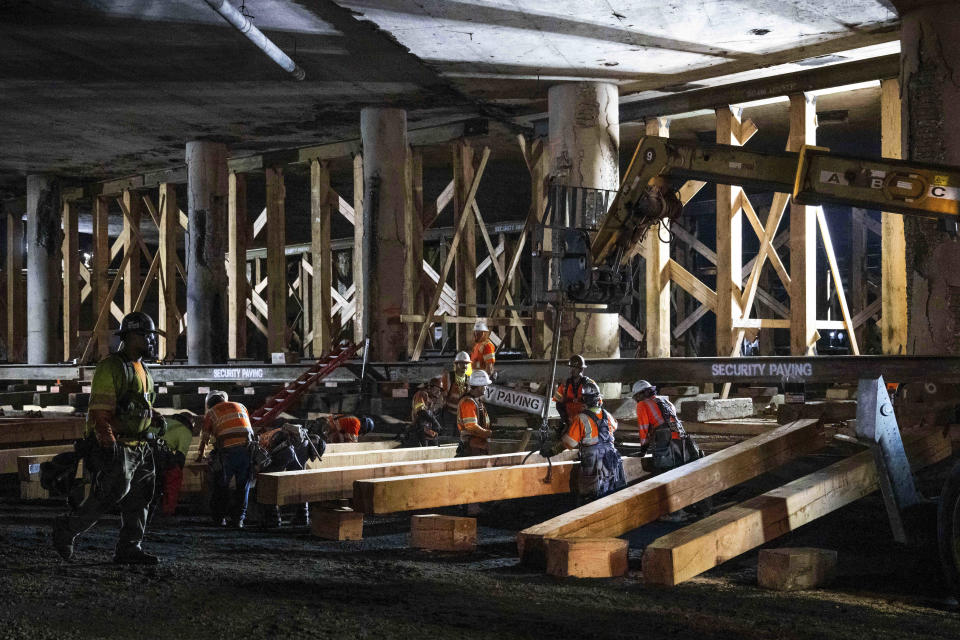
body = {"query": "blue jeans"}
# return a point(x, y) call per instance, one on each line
point(236, 465)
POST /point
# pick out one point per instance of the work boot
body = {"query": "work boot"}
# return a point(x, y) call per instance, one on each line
point(62, 538)
point(134, 555)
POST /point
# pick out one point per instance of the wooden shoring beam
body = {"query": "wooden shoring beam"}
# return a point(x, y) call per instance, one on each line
point(449, 488)
point(276, 262)
point(803, 237)
point(71, 280)
point(868, 312)
point(359, 315)
point(130, 205)
point(101, 262)
point(465, 264)
point(169, 315)
point(690, 551)
point(134, 240)
point(322, 202)
point(145, 286)
point(436, 207)
point(383, 456)
point(412, 238)
point(635, 506)
point(837, 281)
point(238, 226)
point(729, 239)
point(691, 284)
point(858, 265)
point(893, 317)
point(656, 275)
point(29, 430)
point(16, 329)
point(316, 485)
point(100, 326)
point(464, 217)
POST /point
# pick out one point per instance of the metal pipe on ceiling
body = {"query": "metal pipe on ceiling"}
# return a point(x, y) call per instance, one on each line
point(244, 26)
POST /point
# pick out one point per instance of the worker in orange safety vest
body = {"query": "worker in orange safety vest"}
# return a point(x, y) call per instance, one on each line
point(343, 428)
point(229, 425)
point(473, 421)
point(569, 394)
point(484, 354)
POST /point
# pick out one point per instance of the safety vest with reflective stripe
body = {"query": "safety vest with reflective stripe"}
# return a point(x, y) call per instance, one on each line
point(472, 419)
point(571, 395)
point(229, 423)
point(584, 431)
point(649, 417)
point(483, 352)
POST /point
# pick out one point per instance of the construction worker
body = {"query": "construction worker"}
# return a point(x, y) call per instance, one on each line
point(290, 447)
point(343, 428)
point(591, 430)
point(425, 427)
point(569, 395)
point(473, 421)
point(662, 432)
point(120, 457)
point(229, 425)
point(176, 436)
point(457, 381)
point(484, 354)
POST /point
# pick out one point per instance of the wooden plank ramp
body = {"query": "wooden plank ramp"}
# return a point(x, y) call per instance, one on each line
point(317, 485)
point(690, 551)
point(429, 491)
point(635, 506)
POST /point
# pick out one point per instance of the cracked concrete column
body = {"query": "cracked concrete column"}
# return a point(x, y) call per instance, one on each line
point(585, 152)
point(383, 133)
point(930, 110)
point(206, 246)
point(44, 239)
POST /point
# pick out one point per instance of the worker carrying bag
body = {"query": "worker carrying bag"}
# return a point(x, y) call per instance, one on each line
point(670, 452)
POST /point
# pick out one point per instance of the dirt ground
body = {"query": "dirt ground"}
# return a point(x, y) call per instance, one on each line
point(215, 583)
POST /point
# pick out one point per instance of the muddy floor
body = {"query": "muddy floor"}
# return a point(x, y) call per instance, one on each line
point(216, 583)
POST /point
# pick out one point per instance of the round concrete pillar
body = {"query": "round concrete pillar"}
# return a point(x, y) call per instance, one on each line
point(43, 241)
point(585, 152)
point(206, 247)
point(930, 110)
point(383, 133)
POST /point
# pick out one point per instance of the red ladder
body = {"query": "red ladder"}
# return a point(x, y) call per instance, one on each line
point(291, 391)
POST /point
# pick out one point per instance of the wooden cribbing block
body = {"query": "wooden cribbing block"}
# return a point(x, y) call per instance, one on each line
point(194, 477)
point(795, 568)
point(8, 457)
point(337, 524)
point(443, 533)
point(586, 557)
point(28, 430)
point(646, 501)
point(319, 485)
point(33, 491)
point(382, 456)
point(690, 551)
point(429, 491)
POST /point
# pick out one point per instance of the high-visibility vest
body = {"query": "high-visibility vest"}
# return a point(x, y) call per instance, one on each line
point(649, 417)
point(229, 423)
point(584, 430)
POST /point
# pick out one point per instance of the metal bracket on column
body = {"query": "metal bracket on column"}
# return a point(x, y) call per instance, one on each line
point(877, 427)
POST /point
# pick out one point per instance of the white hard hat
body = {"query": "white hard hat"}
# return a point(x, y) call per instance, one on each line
point(480, 325)
point(218, 394)
point(462, 356)
point(479, 378)
point(639, 386)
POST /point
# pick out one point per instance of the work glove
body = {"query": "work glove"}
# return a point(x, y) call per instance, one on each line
point(551, 449)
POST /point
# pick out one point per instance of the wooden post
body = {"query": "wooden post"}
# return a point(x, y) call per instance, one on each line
point(238, 223)
point(168, 316)
point(413, 241)
point(893, 316)
point(71, 280)
point(131, 275)
point(858, 266)
point(803, 237)
point(16, 311)
point(276, 262)
point(466, 260)
point(98, 271)
point(321, 204)
point(657, 252)
point(729, 242)
point(358, 278)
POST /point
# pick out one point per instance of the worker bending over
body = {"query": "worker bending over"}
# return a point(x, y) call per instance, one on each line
point(484, 352)
point(344, 428)
point(456, 382)
point(569, 395)
point(175, 439)
point(229, 425)
point(425, 427)
point(591, 430)
point(289, 447)
point(473, 421)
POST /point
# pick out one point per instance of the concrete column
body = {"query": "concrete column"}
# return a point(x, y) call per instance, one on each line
point(584, 152)
point(930, 110)
point(207, 189)
point(44, 240)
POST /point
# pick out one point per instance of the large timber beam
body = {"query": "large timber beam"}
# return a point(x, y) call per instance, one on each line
point(703, 545)
point(316, 485)
point(429, 491)
point(29, 430)
point(635, 506)
point(383, 456)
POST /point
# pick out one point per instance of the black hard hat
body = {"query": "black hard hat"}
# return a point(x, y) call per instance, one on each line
point(577, 361)
point(138, 321)
point(591, 394)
